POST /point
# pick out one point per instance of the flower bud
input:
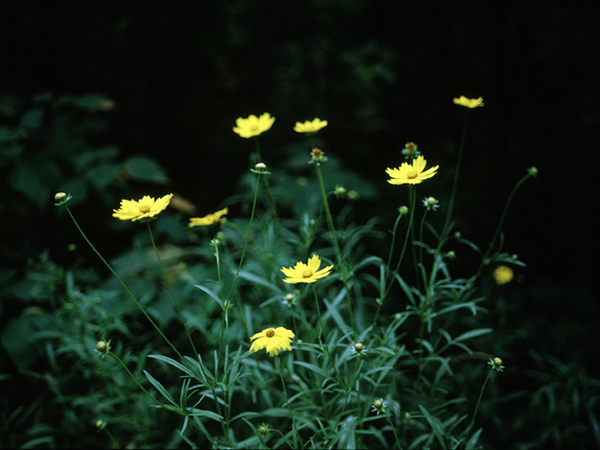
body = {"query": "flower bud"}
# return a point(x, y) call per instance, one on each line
point(403, 210)
point(317, 156)
point(260, 168)
point(62, 198)
point(533, 171)
point(359, 346)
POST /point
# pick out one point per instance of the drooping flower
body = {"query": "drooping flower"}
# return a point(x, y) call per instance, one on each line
point(411, 173)
point(273, 340)
point(310, 127)
point(503, 275)
point(252, 125)
point(306, 273)
point(142, 210)
point(208, 219)
point(469, 102)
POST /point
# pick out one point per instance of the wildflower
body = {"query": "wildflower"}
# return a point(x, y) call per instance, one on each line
point(411, 174)
point(503, 275)
point(379, 406)
point(288, 299)
point(340, 191)
point(252, 125)
point(359, 348)
point(310, 127)
point(208, 219)
point(317, 156)
point(431, 203)
point(306, 273)
point(143, 210)
point(469, 102)
point(273, 339)
point(62, 198)
point(260, 168)
point(496, 364)
point(411, 150)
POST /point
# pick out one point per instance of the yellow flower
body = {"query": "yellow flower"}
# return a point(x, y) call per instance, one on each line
point(143, 209)
point(469, 102)
point(503, 274)
point(273, 339)
point(252, 125)
point(310, 127)
point(306, 273)
point(208, 219)
point(411, 173)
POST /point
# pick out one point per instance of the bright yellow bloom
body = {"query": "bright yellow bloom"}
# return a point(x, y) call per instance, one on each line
point(411, 173)
point(310, 127)
point(469, 102)
point(273, 339)
point(208, 219)
point(306, 273)
point(143, 209)
point(252, 125)
point(503, 274)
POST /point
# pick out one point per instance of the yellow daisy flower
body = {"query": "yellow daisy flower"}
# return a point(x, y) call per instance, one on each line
point(143, 210)
point(469, 102)
point(273, 339)
point(310, 127)
point(306, 273)
point(208, 219)
point(503, 275)
point(252, 125)
point(411, 173)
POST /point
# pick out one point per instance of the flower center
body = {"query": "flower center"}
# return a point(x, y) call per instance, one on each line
point(307, 273)
point(144, 209)
point(254, 127)
point(412, 174)
point(270, 333)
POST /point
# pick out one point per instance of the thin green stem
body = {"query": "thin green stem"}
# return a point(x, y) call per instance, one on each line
point(287, 402)
point(455, 182)
point(134, 378)
point(187, 331)
point(412, 196)
point(393, 427)
point(501, 222)
point(123, 284)
point(478, 402)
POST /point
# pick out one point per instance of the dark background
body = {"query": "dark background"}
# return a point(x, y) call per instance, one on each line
point(382, 74)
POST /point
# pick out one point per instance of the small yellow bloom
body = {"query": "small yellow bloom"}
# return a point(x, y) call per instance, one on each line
point(411, 173)
point(143, 209)
point(306, 273)
point(503, 274)
point(252, 125)
point(273, 339)
point(469, 102)
point(310, 127)
point(209, 219)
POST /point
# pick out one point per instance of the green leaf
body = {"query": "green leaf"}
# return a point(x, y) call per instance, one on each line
point(143, 168)
point(473, 333)
point(160, 388)
point(214, 296)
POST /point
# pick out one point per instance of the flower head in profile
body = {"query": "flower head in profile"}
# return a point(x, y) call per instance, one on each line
point(208, 219)
point(273, 340)
point(503, 275)
point(413, 173)
point(252, 125)
point(306, 273)
point(310, 127)
point(142, 210)
point(469, 102)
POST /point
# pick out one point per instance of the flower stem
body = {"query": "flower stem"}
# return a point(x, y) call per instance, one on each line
point(478, 402)
point(187, 331)
point(133, 378)
point(123, 284)
point(412, 195)
point(502, 217)
point(287, 402)
point(455, 181)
